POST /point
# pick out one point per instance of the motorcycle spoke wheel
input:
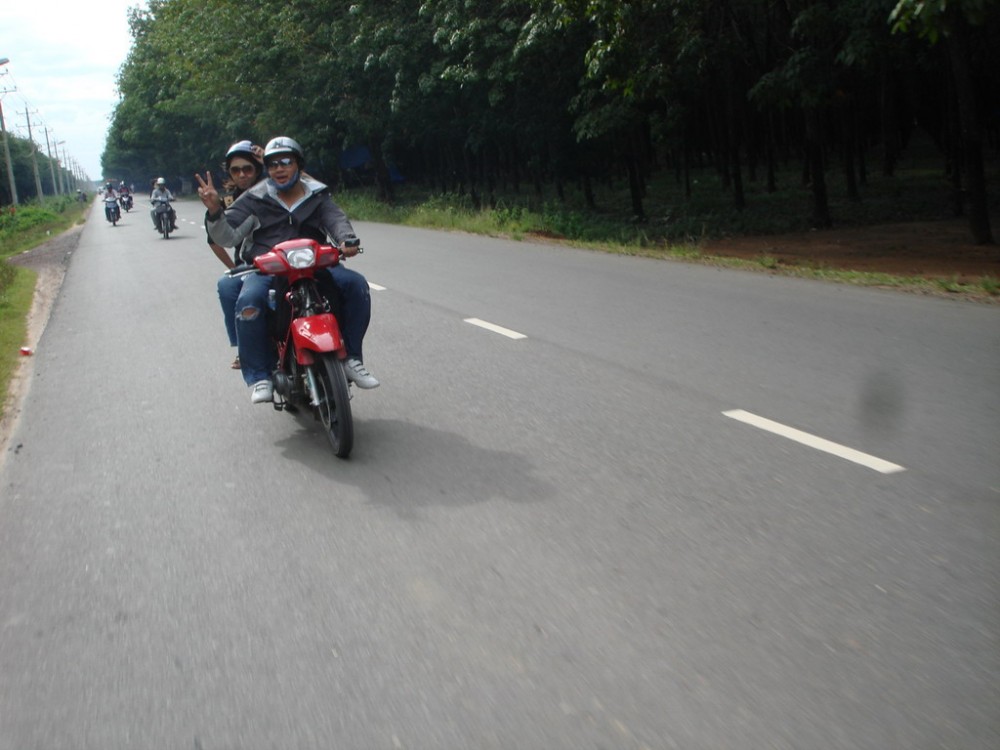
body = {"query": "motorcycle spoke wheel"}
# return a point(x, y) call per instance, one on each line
point(334, 409)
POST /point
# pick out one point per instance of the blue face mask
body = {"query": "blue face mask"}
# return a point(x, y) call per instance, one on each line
point(282, 186)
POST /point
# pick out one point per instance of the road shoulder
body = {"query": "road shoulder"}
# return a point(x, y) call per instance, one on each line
point(50, 261)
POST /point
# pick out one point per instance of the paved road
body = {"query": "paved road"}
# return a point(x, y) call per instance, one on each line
point(584, 536)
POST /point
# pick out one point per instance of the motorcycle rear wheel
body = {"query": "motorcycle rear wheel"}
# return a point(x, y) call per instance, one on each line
point(334, 410)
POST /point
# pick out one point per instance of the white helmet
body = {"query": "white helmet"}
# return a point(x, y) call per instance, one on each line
point(283, 145)
point(160, 181)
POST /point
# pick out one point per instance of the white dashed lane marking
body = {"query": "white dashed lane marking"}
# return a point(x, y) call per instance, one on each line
point(842, 451)
point(495, 328)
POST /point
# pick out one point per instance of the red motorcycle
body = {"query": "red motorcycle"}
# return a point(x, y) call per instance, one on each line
point(310, 371)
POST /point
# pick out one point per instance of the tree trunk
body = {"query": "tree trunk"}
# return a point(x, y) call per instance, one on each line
point(850, 149)
point(588, 191)
point(890, 124)
point(814, 157)
point(382, 178)
point(634, 180)
point(772, 182)
point(971, 130)
point(733, 148)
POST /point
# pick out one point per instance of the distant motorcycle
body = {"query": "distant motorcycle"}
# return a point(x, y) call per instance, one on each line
point(161, 215)
point(111, 211)
point(126, 201)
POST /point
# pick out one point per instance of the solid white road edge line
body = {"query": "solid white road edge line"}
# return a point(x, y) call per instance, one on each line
point(376, 287)
point(842, 451)
point(495, 328)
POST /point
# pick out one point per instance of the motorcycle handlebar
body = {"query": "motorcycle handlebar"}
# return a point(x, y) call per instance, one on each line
point(247, 268)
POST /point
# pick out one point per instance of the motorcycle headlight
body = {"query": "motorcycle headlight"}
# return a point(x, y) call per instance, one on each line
point(301, 257)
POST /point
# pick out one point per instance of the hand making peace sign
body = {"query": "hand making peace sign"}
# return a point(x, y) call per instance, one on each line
point(208, 194)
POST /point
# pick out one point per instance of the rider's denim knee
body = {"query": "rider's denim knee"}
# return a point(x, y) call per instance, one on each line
point(252, 298)
point(252, 334)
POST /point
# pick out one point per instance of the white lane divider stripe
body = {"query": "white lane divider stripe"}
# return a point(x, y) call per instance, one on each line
point(495, 328)
point(376, 287)
point(842, 451)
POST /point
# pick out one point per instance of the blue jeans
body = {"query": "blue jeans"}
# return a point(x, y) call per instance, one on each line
point(229, 289)
point(351, 301)
point(353, 305)
point(253, 339)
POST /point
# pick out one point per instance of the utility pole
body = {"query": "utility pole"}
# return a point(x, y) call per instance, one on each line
point(61, 167)
point(52, 169)
point(6, 148)
point(66, 165)
point(34, 159)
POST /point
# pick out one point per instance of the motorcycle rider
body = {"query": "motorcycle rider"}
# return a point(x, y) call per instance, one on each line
point(287, 205)
point(162, 193)
point(245, 166)
point(110, 197)
point(125, 194)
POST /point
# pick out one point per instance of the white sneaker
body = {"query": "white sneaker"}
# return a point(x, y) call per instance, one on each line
point(358, 374)
point(261, 391)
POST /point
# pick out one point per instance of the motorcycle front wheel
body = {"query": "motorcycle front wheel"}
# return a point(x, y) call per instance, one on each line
point(334, 407)
point(165, 226)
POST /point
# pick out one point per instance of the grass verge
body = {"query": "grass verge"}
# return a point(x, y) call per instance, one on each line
point(15, 302)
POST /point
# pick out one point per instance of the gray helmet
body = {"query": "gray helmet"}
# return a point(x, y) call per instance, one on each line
point(283, 145)
point(244, 149)
point(160, 181)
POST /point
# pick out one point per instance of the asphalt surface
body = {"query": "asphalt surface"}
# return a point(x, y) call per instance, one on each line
point(563, 539)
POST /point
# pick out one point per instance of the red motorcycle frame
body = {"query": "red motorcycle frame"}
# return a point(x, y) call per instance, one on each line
point(310, 370)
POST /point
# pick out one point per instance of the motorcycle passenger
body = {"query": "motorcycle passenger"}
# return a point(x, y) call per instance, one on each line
point(161, 193)
point(289, 204)
point(245, 166)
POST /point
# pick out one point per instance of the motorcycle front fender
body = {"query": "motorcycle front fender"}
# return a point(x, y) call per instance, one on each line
point(317, 333)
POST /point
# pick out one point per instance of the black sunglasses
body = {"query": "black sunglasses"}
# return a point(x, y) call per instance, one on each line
point(244, 169)
point(284, 161)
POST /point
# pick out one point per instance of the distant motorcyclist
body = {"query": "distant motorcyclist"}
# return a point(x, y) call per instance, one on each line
point(162, 193)
point(125, 195)
point(110, 197)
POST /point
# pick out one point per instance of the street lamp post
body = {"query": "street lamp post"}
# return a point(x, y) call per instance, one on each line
point(6, 148)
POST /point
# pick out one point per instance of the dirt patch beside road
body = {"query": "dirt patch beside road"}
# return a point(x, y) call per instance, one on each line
point(931, 250)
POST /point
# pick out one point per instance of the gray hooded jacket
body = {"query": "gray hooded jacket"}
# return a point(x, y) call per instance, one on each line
point(258, 220)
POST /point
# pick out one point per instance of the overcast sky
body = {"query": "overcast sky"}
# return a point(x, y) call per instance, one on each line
point(64, 58)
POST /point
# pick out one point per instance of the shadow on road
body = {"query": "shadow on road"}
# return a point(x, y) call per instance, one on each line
point(404, 466)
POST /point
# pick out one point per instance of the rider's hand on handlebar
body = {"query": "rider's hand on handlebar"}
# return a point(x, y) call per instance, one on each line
point(208, 194)
point(350, 247)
